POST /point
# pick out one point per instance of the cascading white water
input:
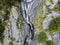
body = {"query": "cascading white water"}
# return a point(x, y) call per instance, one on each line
point(27, 12)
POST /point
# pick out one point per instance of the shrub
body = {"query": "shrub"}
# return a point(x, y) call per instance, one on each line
point(55, 24)
point(41, 37)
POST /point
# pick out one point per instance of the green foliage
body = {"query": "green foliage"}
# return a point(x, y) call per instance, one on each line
point(48, 9)
point(58, 22)
point(7, 3)
point(55, 24)
point(2, 28)
point(5, 7)
point(57, 7)
point(10, 43)
point(13, 39)
point(41, 37)
point(0, 21)
point(49, 42)
point(0, 13)
point(51, 1)
point(6, 15)
point(19, 22)
point(38, 25)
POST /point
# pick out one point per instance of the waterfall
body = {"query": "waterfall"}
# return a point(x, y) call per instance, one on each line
point(28, 11)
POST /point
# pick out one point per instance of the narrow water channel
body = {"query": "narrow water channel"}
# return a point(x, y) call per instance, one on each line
point(25, 6)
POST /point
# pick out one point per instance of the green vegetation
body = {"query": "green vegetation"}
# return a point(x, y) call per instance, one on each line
point(38, 25)
point(48, 9)
point(55, 24)
point(3, 23)
point(2, 28)
point(39, 17)
point(10, 43)
point(0, 13)
point(51, 1)
point(13, 39)
point(49, 42)
point(19, 22)
point(41, 37)
point(57, 6)
point(58, 22)
point(6, 15)
point(4, 4)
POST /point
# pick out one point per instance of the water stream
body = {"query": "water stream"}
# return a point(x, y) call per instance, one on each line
point(27, 12)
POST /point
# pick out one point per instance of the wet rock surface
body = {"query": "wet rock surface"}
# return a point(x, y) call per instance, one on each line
point(27, 17)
